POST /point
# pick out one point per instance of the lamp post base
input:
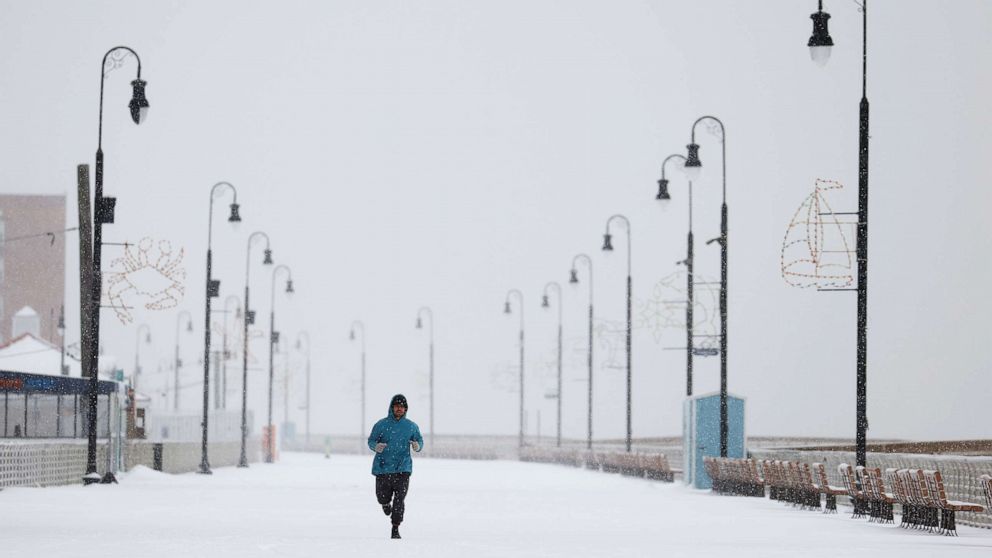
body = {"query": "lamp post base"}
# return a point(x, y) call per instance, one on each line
point(205, 469)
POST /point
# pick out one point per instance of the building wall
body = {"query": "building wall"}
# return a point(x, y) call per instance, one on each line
point(32, 270)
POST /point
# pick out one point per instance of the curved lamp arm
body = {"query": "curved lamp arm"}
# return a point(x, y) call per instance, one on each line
point(520, 298)
point(235, 216)
point(557, 289)
point(430, 317)
point(360, 325)
point(626, 222)
point(721, 135)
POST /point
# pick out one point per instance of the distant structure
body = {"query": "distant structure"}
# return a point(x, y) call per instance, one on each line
point(26, 320)
point(32, 262)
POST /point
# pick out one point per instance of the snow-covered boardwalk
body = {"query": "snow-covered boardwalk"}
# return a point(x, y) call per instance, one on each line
point(308, 506)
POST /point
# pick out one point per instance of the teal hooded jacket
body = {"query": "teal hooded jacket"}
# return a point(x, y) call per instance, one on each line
point(397, 435)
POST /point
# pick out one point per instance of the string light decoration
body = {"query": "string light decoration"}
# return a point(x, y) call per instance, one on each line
point(816, 251)
point(665, 310)
point(505, 376)
point(155, 275)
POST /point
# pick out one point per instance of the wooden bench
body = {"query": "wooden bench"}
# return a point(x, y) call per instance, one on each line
point(857, 496)
point(823, 486)
point(734, 476)
point(655, 466)
point(879, 501)
point(948, 507)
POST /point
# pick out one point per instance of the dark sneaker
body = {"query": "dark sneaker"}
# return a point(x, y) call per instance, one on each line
point(387, 509)
point(396, 532)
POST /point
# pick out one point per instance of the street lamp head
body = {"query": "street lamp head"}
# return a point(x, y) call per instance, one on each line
point(139, 104)
point(237, 313)
point(420, 324)
point(544, 302)
point(607, 242)
point(573, 277)
point(189, 326)
point(693, 167)
point(148, 337)
point(268, 257)
point(506, 308)
point(61, 326)
point(235, 218)
point(820, 41)
point(351, 335)
point(663, 195)
point(289, 287)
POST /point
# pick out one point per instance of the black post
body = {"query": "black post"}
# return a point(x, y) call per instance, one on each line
point(273, 339)
point(558, 443)
point(608, 247)
point(574, 279)
point(272, 336)
point(862, 251)
point(589, 362)
point(361, 326)
point(211, 292)
point(432, 383)
point(521, 440)
point(243, 460)
point(546, 304)
point(308, 392)
point(629, 375)
point(249, 318)
point(689, 308)
point(103, 212)
point(430, 316)
point(507, 310)
point(723, 329)
point(693, 161)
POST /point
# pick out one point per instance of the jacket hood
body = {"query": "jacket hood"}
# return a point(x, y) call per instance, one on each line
point(398, 398)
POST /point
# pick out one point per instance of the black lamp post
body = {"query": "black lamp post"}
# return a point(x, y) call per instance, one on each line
point(273, 339)
point(507, 309)
point(178, 362)
point(103, 213)
point(693, 167)
point(420, 325)
point(360, 325)
point(663, 196)
point(820, 44)
point(213, 290)
point(574, 280)
point(225, 349)
point(608, 247)
point(299, 345)
point(249, 319)
point(137, 353)
point(546, 304)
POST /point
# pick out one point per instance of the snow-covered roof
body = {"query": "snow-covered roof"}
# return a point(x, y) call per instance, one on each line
point(27, 353)
point(26, 311)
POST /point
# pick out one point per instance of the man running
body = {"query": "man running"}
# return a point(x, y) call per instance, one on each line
point(391, 440)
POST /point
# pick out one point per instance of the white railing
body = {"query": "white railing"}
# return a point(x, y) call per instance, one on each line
point(45, 463)
point(961, 473)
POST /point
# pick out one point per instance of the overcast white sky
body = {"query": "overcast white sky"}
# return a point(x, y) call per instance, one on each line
point(410, 153)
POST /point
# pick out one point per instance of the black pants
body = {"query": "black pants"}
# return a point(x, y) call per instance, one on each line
point(393, 487)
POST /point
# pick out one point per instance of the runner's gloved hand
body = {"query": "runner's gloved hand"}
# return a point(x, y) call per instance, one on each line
point(414, 445)
point(379, 447)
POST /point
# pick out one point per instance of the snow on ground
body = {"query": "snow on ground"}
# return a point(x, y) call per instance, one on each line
point(307, 505)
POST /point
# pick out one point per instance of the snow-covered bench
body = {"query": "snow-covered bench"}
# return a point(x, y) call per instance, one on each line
point(823, 486)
